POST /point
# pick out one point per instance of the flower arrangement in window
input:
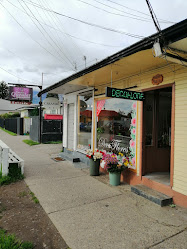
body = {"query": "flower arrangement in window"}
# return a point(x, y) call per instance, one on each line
point(95, 155)
point(132, 148)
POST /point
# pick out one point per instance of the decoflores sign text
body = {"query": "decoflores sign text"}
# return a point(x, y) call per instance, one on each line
point(51, 103)
point(124, 94)
point(114, 145)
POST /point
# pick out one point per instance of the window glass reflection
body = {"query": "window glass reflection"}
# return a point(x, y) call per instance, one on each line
point(116, 126)
point(84, 122)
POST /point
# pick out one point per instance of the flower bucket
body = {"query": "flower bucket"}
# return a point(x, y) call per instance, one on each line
point(94, 167)
point(114, 178)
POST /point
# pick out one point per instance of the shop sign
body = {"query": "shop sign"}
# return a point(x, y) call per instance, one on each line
point(124, 94)
point(20, 102)
point(20, 93)
point(51, 103)
point(157, 79)
point(114, 145)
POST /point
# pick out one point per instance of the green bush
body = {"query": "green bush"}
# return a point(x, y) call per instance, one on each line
point(10, 115)
point(9, 241)
point(14, 175)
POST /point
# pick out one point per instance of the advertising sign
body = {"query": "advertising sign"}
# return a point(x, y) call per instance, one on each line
point(20, 93)
point(51, 103)
point(124, 94)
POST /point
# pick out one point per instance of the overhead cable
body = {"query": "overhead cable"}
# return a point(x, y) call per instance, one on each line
point(15, 75)
point(75, 37)
point(90, 24)
point(29, 34)
point(117, 14)
point(50, 38)
point(55, 19)
point(161, 20)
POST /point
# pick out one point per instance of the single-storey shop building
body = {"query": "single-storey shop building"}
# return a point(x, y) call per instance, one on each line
point(135, 102)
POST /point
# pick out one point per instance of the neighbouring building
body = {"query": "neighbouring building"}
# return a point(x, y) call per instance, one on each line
point(145, 114)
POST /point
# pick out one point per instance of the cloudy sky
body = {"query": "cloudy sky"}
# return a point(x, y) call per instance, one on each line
point(59, 37)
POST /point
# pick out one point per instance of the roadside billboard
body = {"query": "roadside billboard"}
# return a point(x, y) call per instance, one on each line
point(20, 93)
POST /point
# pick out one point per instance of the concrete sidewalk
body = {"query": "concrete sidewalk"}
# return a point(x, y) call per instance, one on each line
point(91, 214)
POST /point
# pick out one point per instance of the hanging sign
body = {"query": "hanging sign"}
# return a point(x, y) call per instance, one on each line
point(124, 94)
point(157, 79)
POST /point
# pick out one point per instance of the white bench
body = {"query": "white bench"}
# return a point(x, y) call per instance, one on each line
point(7, 156)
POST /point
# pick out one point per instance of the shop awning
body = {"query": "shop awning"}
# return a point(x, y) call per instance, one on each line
point(127, 62)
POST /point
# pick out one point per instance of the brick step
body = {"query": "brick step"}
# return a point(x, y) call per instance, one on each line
point(152, 195)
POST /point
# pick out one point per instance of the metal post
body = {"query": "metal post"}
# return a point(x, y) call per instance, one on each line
point(40, 113)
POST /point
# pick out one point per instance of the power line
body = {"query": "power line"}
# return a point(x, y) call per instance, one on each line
point(155, 20)
point(117, 14)
point(75, 37)
point(46, 33)
point(164, 21)
point(28, 33)
point(59, 40)
point(88, 23)
point(137, 17)
point(56, 18)
point(14, 75)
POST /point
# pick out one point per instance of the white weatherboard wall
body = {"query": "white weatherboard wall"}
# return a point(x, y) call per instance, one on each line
point(69, 122)
point(70, 126)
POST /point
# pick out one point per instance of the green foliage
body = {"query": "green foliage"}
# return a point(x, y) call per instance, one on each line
point(22, 194)
point(172, 205)
point(53, 142)
point(9, 132)
point(14, 175)
point(34, 198)
point(30, 142)
point(3, 90)
point(52, 95)
point(10, 115)
point(34, 112)
point(2, 208)
point(9, 241)
point(4, 180)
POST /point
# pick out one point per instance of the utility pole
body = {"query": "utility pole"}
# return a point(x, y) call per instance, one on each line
point(156, 23)
point(84, 58)
point(40, 112)
point(75, 65)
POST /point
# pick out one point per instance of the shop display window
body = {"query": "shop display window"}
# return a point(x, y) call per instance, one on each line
point(116, 127)
point(84, 123)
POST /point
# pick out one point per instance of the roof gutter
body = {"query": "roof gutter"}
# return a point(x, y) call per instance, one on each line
point(170, 35)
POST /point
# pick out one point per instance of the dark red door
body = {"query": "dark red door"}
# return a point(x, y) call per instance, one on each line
point(157, 131)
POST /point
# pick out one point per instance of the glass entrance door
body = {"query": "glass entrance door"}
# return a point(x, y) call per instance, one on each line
point(157, 131)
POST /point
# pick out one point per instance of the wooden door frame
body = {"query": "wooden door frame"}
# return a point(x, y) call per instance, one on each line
point(172, 85)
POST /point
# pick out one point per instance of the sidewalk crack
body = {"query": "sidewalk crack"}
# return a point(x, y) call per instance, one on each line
point(83, 204)
point(157, 243)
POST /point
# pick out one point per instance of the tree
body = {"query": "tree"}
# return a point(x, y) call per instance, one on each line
point(52, 95)
point(3, 90)
point(34, 112)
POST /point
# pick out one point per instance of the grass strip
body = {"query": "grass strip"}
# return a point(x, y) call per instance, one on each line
point(9, 241)
point(9, 132)
point(30, 142)
point(53, 142)
point(34, 198)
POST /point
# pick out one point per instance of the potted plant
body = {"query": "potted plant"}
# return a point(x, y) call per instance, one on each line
point(112, 165)
point(95, 157)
